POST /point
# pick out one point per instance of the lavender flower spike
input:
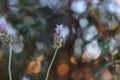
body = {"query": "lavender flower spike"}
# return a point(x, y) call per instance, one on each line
point(58, 39)
point(59, 29)
point(4, 37)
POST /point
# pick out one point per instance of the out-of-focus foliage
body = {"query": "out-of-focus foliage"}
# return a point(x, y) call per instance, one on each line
point(91, 39)
point(116, 56)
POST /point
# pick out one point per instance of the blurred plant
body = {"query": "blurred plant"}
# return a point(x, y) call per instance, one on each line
point(57, 44)
point(6, 39)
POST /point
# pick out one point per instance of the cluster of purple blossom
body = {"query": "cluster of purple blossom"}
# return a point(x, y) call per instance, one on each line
point(58, 39)
point(3, 31)
point(2, 25)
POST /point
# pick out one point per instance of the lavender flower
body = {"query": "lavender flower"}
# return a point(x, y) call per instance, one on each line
point(2, 25)
point(59, 29)
point(3, 31)
point(25, 78)
point(5, 38)
point(58, 39)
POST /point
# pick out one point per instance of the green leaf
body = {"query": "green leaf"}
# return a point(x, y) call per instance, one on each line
point(116, 56)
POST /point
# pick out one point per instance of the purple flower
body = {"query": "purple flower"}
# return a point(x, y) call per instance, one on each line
point(58, 39)
point(2, 25)
point(25, 78)
point(59, 29)
point(2, 22)
point(4, 37)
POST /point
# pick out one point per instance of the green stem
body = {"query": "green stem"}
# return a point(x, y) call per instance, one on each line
point(9, 65)
point(51, 64)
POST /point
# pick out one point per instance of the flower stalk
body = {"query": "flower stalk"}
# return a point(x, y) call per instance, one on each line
point(58, 39)
point(10, 58)
point(5, 38)
point(51, 64)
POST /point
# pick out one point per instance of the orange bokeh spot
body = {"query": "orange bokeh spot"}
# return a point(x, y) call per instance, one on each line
point(73, 60)
point(33, 67)
point(63, 69)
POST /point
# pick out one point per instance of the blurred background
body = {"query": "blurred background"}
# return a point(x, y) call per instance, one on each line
point(91, 47)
